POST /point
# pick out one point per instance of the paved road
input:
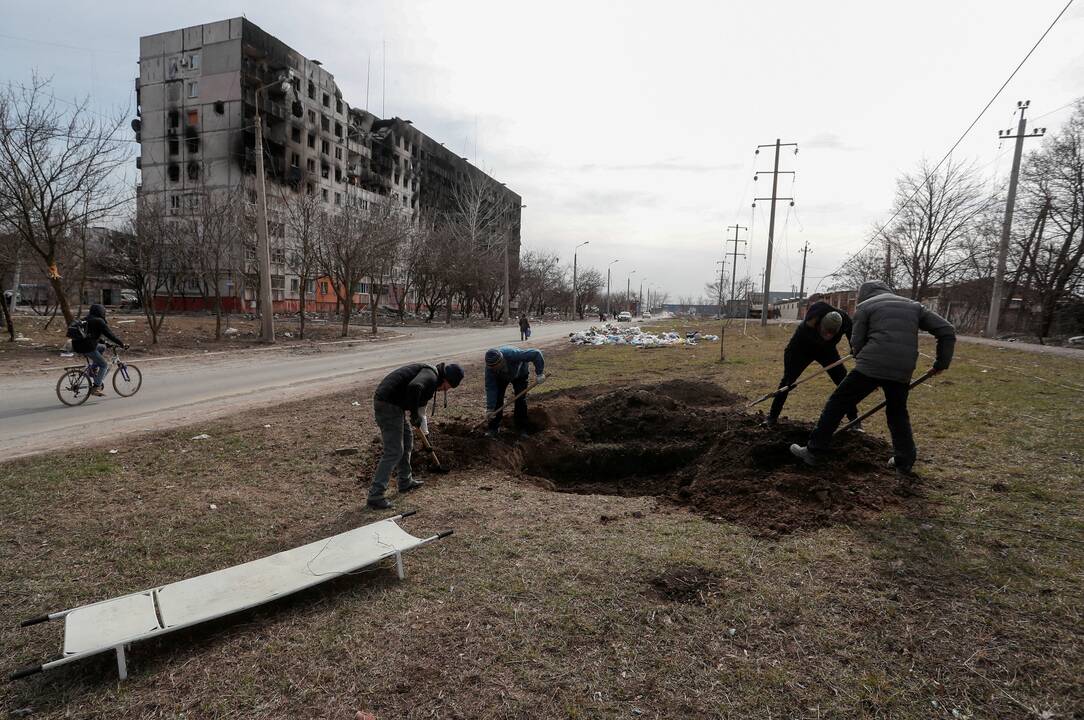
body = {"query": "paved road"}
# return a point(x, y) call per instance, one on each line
point(190, 389)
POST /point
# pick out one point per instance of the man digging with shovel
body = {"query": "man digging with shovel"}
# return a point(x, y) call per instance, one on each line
point(885, 345)
point(407, 389)
point(510, 365)
point(815, 339)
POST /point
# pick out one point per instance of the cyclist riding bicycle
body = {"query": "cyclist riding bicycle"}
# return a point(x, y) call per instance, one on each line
point(89, 345)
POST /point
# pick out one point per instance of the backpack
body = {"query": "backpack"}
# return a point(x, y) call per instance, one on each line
point(77, 330)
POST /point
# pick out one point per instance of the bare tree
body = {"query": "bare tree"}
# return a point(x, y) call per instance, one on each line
point(477, 224)
point(148, 258)
point(936, 210)
point(58, 173)
point(867, 264)
point(211, 236)
point(589, 285)
point(304, 219)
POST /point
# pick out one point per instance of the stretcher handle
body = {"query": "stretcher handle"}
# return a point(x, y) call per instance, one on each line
point(444, 533)
point(25, 672)
point(407, 513)
point(35, 620)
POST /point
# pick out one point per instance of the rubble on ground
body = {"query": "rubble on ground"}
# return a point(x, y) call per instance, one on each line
point(611, 334)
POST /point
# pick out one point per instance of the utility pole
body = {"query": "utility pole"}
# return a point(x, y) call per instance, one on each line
point(608, 288)
point(628, 292)
point(734, 255)
point(1010, 203)
point(771, 220)
point(640, 299)
point(722, 268)
point(574, 309)
point(805, 253)
point(267, 315)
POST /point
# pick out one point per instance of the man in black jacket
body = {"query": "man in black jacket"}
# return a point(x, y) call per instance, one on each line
point(89, 345)
point(815, 339)
point(406, 390)
point(885, 346)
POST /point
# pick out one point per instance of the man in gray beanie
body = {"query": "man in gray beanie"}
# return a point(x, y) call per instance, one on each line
point(814, 340)
point(510, 365)
point(885, 345)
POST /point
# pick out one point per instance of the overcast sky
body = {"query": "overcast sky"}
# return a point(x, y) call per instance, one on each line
point(632, 125)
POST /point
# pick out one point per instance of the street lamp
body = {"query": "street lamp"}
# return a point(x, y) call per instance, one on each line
point(628, 291)
point(267, 316)
point(507, 285)
point(585, 242)
point(608, 287)
point(640, 302)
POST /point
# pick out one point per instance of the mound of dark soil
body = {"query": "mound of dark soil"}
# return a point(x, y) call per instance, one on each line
point(688, 584)
point(687, 442)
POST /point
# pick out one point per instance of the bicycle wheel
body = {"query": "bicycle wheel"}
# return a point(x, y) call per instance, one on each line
point(127, 380)
point(73, 387)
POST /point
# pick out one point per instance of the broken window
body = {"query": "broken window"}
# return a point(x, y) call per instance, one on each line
point(310, 189)
point(174, 146)
point(323, 194)
point(295, 134)
point(174, 119)
point(325, 170)
point(338, 199)
point(193, 171)
point(338, 130)
point(327, 100)
point(338, 174)
point(312, 116)
point(192, 118)
point(312, 91)
point(325, 147)
point(325, 123)
point(312, 140)
point(311, 165)
point(174, 172)
point(338, 105)
point(295, 160)
point(338, 153)
point(220, 107)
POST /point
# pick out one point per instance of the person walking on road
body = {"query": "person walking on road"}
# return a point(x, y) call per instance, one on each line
point(509, 365)
point(524, 327)
point(885, 346)
point(88, 344)
point(814, 340)
point(406, 390)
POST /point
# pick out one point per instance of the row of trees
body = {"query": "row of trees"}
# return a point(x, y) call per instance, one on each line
point(946, 228)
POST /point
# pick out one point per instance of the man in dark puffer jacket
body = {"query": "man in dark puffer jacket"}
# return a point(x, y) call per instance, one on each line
point(90, 346)
point(885, 346)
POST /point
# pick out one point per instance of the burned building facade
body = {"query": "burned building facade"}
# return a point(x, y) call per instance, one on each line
point(197, 95)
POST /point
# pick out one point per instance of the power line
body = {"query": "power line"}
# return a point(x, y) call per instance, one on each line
point(66, 47)
point(964, 135)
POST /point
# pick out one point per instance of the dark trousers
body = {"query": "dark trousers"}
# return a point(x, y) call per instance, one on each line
point(519, 414)
point(397, 437)
point(795, 360)
point(850, 392)
point(523, 334)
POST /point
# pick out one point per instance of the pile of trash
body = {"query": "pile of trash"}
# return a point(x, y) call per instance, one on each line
point(610, 334)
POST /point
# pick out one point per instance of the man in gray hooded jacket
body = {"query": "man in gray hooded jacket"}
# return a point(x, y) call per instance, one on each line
point(885, 346)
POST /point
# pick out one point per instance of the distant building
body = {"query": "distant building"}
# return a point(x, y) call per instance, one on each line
point(196, 105)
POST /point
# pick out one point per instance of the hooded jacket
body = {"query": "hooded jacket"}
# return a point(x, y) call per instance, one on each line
point(885, 335)
point(96, 328)
point(410, 387)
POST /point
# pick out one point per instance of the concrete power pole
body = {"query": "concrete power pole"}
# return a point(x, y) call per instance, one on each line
point(771, 221)
point(805, 252)
point(1010, 203)
point(267, 315)
point(734, 255)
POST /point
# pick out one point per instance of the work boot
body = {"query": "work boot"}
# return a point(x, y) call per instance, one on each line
point(803, 453)
point(379, 504)
point(768, 422)
point(899, 470)
point(411, 485)
point(857, 427)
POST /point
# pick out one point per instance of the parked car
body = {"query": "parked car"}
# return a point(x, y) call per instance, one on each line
point(646, 316)
point(624, 317)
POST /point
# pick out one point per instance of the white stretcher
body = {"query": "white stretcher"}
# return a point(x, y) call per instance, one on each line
point(113, 624)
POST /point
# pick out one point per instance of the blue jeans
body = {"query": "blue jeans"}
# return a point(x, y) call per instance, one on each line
point(99, 362)
point(398, 439)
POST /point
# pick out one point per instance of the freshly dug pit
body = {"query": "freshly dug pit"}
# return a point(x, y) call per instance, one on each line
point(688, 442)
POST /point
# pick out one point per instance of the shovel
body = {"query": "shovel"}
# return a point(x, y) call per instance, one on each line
point(439, 469)
point(920, 379)
point(790, 387)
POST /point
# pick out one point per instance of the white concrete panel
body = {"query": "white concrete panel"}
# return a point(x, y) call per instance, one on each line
point(174, 42)
point(235, 28)
point(222, 57)
point(152, 98)
point(150, 71)
point(216, 32)
point(224, 86)
point(153, 125)
point(193, 37)
point(152, 45)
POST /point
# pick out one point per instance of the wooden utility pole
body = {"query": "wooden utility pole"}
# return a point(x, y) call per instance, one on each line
point(805, 253)
point(1010, 203)
point(771, 220)
point(734, 255)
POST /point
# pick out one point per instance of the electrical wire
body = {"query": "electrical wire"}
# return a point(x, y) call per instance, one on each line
point(961, 138)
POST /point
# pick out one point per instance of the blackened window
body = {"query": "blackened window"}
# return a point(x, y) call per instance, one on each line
point(295, 134)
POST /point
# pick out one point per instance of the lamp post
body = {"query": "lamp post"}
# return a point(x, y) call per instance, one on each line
point(640, 301)
point(507, 284)
point(608, 287)
point(628, 291)
point(267, 316)
point(585, 242)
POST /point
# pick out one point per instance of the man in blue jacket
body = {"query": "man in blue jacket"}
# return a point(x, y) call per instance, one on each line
point(508, 365)
point(885, 347)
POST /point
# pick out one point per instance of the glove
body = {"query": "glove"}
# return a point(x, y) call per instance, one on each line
point(424, 425)
point(539, 378)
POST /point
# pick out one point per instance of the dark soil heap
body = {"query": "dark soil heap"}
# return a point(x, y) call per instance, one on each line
point(688, 442)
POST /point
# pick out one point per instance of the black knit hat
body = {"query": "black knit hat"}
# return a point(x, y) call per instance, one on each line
point(453, 374)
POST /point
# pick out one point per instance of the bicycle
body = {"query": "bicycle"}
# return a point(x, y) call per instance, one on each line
point(74, 386)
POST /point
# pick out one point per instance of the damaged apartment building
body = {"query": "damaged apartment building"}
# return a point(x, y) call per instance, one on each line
point(196, 103)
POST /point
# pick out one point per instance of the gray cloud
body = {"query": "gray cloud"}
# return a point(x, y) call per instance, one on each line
point(829, 141)
point(593, 202)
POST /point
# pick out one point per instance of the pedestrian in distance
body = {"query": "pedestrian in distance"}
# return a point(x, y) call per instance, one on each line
point(510, 366)
point(406, 390)
point(814, 340)
point(86, 336)
point(885, 346)
point(524, 328)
